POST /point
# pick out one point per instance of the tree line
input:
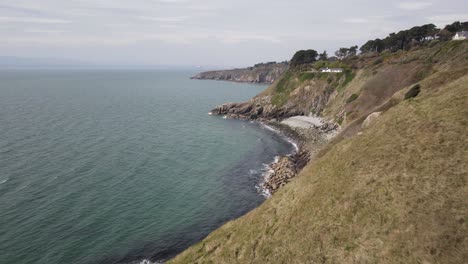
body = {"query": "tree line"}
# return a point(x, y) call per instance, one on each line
point(401, 40)
point(406, 39)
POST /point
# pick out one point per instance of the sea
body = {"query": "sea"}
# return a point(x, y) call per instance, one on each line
point(122, 166)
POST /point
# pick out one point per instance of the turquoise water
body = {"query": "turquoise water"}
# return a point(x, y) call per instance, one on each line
point(121, 166)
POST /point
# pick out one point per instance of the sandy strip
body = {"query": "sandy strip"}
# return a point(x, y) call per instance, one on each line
point(303, 121)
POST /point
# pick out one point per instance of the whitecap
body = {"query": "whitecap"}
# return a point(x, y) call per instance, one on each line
point(146, 261)
point(253, 172)
point(288, 139)
point(267, 172)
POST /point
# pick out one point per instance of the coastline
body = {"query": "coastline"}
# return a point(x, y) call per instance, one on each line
point(233, 81)
point(306, 142)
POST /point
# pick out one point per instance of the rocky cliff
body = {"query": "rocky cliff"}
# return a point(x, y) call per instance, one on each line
point(259, 73)
point(390, 188)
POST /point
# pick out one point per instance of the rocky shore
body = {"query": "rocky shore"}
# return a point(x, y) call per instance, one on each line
point(308, 140)
point(259, 73)
point(258, 108)
point(307, 132)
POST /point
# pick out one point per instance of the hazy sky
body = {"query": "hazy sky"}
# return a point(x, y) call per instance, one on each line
point(205, 32)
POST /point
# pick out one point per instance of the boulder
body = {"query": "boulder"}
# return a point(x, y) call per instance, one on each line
point(370, 119)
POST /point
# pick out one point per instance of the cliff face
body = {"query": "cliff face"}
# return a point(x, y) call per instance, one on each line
point(367, 84)
point(390, 191)
point(295, 93)
point(260, 73)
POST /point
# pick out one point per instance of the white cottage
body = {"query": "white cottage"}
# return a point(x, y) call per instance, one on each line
point(331, 69)
point(462, 35)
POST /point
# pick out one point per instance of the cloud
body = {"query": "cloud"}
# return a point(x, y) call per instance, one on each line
point(33, 20)
point(119, 39)
point(411, 6)
point(174, 19)
point(442, 20)
point(357, 20)
point(236, 38)
point(45, 31)
point(172, 1)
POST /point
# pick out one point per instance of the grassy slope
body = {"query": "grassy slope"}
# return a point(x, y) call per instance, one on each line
point(397, 193)
point(375, 83)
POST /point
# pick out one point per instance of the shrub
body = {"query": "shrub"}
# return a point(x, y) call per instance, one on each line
point(352, 98)
point(413, 92)
point(349, 76)
point(378, 61)
point(306, 76)
point(433, 43)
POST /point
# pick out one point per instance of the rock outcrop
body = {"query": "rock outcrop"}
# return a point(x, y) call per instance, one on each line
point(260, 73)
point(370, 119)
point(284, 170)
point(256, 109)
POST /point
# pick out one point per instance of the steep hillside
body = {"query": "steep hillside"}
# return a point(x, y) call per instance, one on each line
point(393, 190)
point(394, 194)
point(260, 73)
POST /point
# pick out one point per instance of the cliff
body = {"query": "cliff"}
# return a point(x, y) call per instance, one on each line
point(390, 188)
point(259, 73)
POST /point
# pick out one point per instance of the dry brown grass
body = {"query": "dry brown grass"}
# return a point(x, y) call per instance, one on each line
point(376, 84)
point(397, 193)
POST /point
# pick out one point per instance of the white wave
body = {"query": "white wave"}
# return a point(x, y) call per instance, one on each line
point(292, 142)
point(210, 113)
point(270, 128)
point(267, 173)
point(253, 172)
point(146, 261)
point(3, 181)
point(288, 139)
point(224, 117)
point(276, 159)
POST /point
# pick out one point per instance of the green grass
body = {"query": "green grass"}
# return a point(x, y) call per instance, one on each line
point(395, 194)
point(306, 76)
point(284, 81)
point(279, 99)
point(352, 98)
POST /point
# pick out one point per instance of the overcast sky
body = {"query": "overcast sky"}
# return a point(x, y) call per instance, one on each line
point(205, 32)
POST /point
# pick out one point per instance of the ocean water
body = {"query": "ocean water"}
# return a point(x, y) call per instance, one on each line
point(120, 166)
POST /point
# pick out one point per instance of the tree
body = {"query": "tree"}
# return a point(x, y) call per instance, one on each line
point(352, 51)
point(405, 39)
point(303, 57)
point(449, 30)
point(341, 53)
point(323, 56)
point(344, 53)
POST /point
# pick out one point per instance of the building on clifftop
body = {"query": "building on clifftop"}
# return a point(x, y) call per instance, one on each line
point(462, 35)
point(331, 69)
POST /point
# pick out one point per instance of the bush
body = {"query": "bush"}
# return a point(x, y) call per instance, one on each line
point(306, 76)
point(352, 98)
point(378, 61)
point(433, 43)
point(413, 92)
